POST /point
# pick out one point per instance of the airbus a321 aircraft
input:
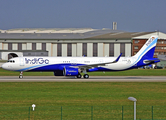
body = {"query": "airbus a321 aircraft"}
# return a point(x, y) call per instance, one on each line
point(73, 66)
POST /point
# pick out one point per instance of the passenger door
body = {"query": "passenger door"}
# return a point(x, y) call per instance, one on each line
point(22, 62)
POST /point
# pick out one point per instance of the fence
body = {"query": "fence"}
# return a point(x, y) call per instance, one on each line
point(83, 113)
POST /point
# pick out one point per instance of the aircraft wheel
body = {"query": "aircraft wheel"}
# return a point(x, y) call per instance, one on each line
point(20, 76)
point(79, 76)
point(86, 76)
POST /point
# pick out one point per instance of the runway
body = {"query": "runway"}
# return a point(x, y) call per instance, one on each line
point(91, 79)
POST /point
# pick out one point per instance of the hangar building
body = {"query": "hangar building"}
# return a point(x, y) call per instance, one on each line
point(73, 42)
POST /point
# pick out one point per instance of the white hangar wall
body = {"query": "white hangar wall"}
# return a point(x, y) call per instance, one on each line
point(72, 48)
point(77, 48)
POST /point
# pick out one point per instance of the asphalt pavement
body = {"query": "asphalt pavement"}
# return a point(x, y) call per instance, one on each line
point(91, 79)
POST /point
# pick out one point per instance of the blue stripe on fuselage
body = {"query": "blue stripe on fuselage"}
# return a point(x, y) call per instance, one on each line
point(53, 67)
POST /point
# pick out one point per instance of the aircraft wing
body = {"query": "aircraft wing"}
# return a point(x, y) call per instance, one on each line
point(98, 64)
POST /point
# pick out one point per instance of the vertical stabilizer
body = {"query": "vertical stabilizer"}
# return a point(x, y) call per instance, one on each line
point(147, 51)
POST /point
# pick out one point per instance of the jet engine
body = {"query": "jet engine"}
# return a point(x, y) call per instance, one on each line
point(70, 71)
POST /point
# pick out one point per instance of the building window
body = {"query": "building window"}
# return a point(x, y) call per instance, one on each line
point(69, 49)
point(111, 49)
point(161, 53)
point(122, 48)
point(19, 46)
point(156, 53)
point(59, 49)
point(160, 47)
point(84, 49)
point(33, 46)
point(43, 46)
point(136, 41)
point(95, 49)
point(159, 42)
point(136, 47)
point(9, 46)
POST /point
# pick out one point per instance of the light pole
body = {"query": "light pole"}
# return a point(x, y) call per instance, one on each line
point(134, 100)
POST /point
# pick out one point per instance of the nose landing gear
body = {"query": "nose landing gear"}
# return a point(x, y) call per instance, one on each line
point(21, 75)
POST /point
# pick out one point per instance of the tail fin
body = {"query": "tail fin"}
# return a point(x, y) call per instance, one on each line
point(147, 51)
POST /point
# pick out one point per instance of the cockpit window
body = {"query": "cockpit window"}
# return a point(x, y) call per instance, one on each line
point(11, 61)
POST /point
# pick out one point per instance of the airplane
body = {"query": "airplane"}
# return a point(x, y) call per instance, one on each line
point(74, 66)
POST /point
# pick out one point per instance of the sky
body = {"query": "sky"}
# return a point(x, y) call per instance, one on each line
point(130, 15)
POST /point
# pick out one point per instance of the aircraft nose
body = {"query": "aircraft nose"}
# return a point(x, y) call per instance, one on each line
point(4, 66)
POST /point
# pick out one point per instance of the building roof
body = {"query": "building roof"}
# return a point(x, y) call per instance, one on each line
point(70, 33)
point(63, 34)
point(120, 35)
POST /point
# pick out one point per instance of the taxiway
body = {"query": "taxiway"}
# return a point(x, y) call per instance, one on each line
point(91, 79)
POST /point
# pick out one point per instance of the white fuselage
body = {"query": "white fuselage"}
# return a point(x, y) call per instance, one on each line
point(33, 63)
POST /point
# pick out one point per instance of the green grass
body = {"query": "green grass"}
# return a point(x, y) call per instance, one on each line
point(76, 100)
point(84, 94)
point(14, 73)
point(133, 72)
point(80, 100)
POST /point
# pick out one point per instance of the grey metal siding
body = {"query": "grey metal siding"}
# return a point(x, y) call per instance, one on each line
point(35, 53)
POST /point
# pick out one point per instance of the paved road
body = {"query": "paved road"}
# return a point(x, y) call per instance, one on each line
point(91, 79)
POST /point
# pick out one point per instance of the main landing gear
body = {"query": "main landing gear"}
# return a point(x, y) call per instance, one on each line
point(86, 76)
point(21, 75)
point(79, 75)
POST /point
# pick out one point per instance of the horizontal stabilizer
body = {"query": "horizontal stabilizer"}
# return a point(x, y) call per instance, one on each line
point(151, 60)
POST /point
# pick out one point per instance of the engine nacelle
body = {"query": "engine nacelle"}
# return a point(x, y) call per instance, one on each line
point(58, 73)
point(70, 71)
